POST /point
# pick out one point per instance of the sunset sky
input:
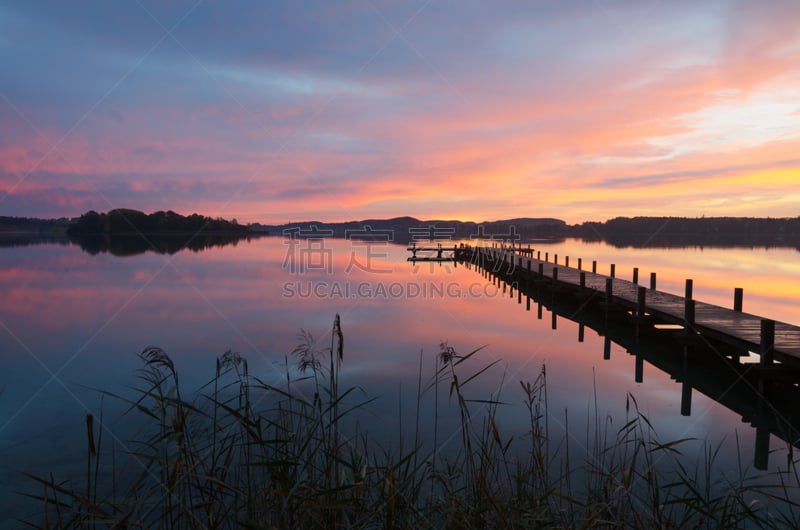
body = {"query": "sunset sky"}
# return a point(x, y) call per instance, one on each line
point(452, 109)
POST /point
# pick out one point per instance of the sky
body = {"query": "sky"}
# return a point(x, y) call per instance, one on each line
point(440, 109)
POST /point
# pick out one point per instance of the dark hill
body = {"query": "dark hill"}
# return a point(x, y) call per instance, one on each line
point(406, 229)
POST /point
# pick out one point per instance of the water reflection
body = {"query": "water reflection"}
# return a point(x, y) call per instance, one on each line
point(72, 322)
point(11, 240)
point(131, 245)
point(160, 244)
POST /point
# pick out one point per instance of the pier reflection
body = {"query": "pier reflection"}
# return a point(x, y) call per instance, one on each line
point(765, 397)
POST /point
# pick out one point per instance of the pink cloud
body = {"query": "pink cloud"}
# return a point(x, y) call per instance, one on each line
point(526, 140)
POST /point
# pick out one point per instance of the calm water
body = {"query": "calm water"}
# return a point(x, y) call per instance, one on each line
point(72, 323)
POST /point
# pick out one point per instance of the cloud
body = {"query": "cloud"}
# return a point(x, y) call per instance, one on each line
point(362, 109)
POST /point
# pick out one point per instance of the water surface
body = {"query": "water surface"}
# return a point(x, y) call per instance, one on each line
point(72, 323)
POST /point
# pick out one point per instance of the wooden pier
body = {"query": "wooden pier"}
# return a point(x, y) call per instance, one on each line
point(764, 399)
point(699, 345)
point(438, 253)
point(772, 340)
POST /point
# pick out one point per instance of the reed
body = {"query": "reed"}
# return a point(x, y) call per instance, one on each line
point(242, 453)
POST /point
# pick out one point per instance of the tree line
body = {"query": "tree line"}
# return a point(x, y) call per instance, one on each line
point(677, 231)
point(127, 221)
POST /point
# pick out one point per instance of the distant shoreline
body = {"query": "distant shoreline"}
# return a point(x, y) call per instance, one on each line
point(620, 232)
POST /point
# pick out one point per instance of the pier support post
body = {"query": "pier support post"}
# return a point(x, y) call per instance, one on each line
point(761, 456)
point(686, 399)
point(555, 276)
point(539, 311)
point(529, 267)
point(581, 332)
point(539, 255)
point(613, 270)
point(554, 321)
point(738, 297)
point(594, 266)
point(527, 303)
point(653, 281)
point(583, 281)
point(606, 349)
point(688, 313)
point(541, 270)
point(767, 341)
point(689, 285)
point(609, 291)
point(636, 275)
point(547, 256)
point(639, 376)
point(566, 261)
point(555, 259)
point(580, 264)
point(641, 302)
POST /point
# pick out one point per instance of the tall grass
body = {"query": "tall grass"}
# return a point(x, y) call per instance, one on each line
point(244, 453)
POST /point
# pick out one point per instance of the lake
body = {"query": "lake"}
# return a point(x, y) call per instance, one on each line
point(73, 323)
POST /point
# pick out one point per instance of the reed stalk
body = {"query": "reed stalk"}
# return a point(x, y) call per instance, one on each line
point(243, 453)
